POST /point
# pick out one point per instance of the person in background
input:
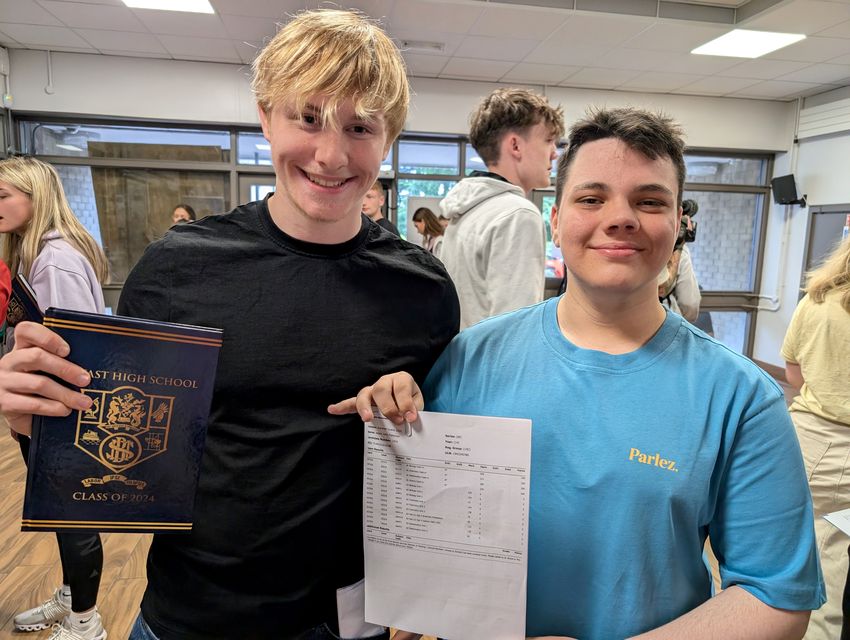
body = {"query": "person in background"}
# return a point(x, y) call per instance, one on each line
point(678, 288)
point(429, 227)
point(640, 484)
point(816, 350)
point(373, 203)
point(299, 284)
point(495, 244)
point(43, 239)
point(183, 213)
point(5, 292)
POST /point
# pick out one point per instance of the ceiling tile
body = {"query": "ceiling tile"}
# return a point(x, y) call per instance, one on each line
point(25, 12)
point(454, 18)
point(428, 66)
point(521, 22)
point(826, 73)
point(180, 23)
point(558, 51)
point(659, 81)
point(40, 35)
point(200, 48)
point(634, 59)
point(717, 86)
point(249, 28)
point(841, 30)
point(495, 48)
point(841, 59)
point(675, 36)
point(533, 73)
point(122, 41)
point(799, 16)
point(814, 49)
point(467, 68)
point(136, 54)
point(271, 9)
point(599, 77)
point(601, 29)
point(247, 51)
point(94, 16)
point(763, 69)
point(7, 40)
point(776, 89)
point(692, 63)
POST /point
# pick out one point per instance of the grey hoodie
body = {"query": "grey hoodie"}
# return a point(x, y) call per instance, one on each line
point(61, 277)
point(494, 248)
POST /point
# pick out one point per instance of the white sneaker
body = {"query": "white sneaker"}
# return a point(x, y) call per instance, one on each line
point(44, 615)
point(92, 629)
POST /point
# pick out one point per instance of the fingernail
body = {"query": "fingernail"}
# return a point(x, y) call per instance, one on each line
point(83, 379)
point(410, 416)
point(83, 402)
point(63, 350)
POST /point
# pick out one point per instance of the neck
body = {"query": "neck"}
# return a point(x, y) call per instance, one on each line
point(295, 223)
point(612, 323)
point(509, 173)
point(375, 216)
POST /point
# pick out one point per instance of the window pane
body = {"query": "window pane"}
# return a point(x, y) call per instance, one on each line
point(473, 160)
point(724, 251)
point(142, 143)
point(407, 188)
point(126, 209)
point(554, 257)
point(253, 148)
point(719, 170)
point(429, 158)
point(387, 163)
point(729, 327)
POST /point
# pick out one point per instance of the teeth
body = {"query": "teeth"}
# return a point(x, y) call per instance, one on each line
point(324, 183)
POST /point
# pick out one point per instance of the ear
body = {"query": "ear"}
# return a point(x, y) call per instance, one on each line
point(553, 222)
point(265, 122)
point(512, 145)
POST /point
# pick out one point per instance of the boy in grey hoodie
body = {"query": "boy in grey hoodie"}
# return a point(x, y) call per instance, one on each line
point(494, 246)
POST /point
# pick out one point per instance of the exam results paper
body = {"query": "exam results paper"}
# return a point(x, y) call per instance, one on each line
point(446, 525)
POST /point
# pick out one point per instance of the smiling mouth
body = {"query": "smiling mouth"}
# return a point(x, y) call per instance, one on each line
point(324, 182)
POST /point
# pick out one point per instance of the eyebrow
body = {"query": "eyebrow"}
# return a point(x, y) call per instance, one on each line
point(644, 188)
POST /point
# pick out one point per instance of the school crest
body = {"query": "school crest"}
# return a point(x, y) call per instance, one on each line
point(124, 426)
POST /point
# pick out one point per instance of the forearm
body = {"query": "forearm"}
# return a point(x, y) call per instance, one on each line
point(734, 614)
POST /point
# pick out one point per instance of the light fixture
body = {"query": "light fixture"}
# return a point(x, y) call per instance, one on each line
point(422, 45)
point(192, 6)
point(263, 147)
point(743, 43)
point(68, 147)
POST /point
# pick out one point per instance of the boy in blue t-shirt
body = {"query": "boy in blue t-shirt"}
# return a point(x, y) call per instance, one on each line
point(625, 487)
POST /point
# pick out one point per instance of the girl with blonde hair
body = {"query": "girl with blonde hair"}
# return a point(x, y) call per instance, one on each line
point(817, 352)
point(44, 240)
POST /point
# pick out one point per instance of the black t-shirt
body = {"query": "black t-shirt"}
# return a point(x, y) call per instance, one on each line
point(386, 224)
point(278, 512)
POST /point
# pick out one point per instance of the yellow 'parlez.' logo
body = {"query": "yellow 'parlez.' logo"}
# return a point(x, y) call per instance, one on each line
point(655, 459)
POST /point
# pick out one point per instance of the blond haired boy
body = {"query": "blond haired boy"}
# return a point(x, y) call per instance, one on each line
point(299, 284)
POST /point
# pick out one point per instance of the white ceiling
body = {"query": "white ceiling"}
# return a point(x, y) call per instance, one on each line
point(483, 40)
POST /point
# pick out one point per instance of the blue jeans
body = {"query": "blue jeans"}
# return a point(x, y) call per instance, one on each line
point(141, 631)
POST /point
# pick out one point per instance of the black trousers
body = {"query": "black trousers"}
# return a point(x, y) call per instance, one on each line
point(81, 555)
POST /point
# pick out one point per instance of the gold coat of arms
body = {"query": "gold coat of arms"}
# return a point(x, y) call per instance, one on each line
point(124, 426)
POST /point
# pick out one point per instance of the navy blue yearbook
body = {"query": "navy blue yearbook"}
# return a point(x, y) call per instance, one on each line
point(130, 462)
point(22, 303)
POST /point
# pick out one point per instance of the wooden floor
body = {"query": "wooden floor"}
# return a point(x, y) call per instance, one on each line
point(29, 562)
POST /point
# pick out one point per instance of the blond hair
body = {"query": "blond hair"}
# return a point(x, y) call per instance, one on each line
point(339, 55)
point(50, 212)
point(833, 274)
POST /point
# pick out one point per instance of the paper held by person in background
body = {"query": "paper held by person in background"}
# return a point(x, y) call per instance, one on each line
point(840, 519)
point(446, 525)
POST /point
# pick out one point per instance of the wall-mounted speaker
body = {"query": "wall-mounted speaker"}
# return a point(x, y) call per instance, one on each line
point(785, 191)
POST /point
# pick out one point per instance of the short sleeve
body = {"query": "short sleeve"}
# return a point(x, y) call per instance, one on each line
point(790, 344)
point(763, 528)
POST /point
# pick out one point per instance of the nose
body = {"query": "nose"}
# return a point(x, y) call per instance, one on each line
point(620, 216)
point(553, 153)
point(331, 151)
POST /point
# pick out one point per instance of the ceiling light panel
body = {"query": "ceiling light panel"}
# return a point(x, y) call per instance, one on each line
point(743, 43)
point(191, 6)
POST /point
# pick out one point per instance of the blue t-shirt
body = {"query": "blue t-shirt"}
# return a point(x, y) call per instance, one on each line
point(636, 458)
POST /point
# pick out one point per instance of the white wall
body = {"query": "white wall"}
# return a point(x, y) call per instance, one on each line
point(821, 170)
point(145, 88)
